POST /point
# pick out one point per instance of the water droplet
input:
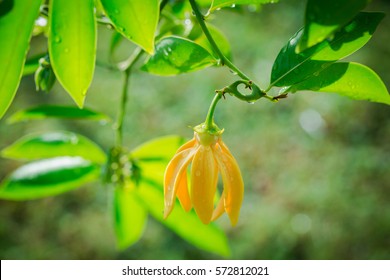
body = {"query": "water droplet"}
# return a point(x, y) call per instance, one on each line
point(121, 29)
point(66, 50)
point(197, 173)
point(57, 39)
point(116, 11)
point(251, 102)
point(316, 74)
point(233, 6)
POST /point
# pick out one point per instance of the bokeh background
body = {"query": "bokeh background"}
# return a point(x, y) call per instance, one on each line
point(316, 165)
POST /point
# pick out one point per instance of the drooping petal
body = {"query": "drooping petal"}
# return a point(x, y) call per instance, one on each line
point(218, 211)
point(190, 144)
point(203, 184)
point(182, 191)
point(232, 182)
point(176, 166)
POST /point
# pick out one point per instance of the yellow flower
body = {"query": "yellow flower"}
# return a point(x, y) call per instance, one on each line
point(208, 156)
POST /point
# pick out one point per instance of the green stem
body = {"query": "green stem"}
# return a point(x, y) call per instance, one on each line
point(221, 56)
point(124, 97)
point(209, 123)
point(126, 68)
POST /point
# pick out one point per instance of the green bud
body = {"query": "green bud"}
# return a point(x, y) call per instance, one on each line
point(44, 76)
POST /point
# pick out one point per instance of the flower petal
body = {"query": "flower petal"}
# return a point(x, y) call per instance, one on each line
point(190, 144)
point(203, 184)
point(232, 181)
point(218, 211)
point(182, 191)
point(176, 166)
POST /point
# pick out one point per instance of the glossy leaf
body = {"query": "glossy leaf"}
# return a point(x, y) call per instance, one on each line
point(186, 225)
point(349, 79)
point(52, 111)
point(47, 178)
point(130, 216)
point(54, 144)
point(72, 45)
point(290, 68)
point(175, 55)
point(219, 38)
point(136, 20)
point(16, 26)
point(323, 18)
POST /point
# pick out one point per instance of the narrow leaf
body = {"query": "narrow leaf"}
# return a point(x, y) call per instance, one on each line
point(52, 111)
point(186, 225)
point(323, 18)
point(54, 144)
point(218, 4)
point(349, 79)
point(130, 216)
point(16, 26)
point(290, 68)
point(136, 20)
point(72, 45)
point(47, 178)
point(175, 55)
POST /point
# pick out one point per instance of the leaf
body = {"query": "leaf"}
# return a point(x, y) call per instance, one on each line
point(175, 55)
point(48, 177)
point(16, 26)
point(158, 149)
point(349, 79)
point(52, 111)
point(219, 38)
point(290, 68)
point(130, 216)
point(54, 144)
point(72, 45)
point(136, 20)
point(186, 225)
point(218, 4)
point(323, 18)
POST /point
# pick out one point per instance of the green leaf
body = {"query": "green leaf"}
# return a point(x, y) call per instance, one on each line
point(349, 79)
point(219, 38)
point(130, 216)
point(175, 55)
point(136, 20)
point(16, 26)
point(52, 111)
point(54, 144)
point(290, 68)
point(323, 18)
point(218, 4)
point(158, 149)
point(47, 178)
point(186, 225)
point(72, 45)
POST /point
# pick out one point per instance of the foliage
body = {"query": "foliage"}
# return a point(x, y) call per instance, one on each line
point(173, 42)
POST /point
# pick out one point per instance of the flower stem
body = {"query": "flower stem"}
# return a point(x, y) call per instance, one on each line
point(209, 123)
point(223, 59)
point(124, 97)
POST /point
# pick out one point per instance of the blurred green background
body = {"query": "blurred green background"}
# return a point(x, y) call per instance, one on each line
point(315, 165)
